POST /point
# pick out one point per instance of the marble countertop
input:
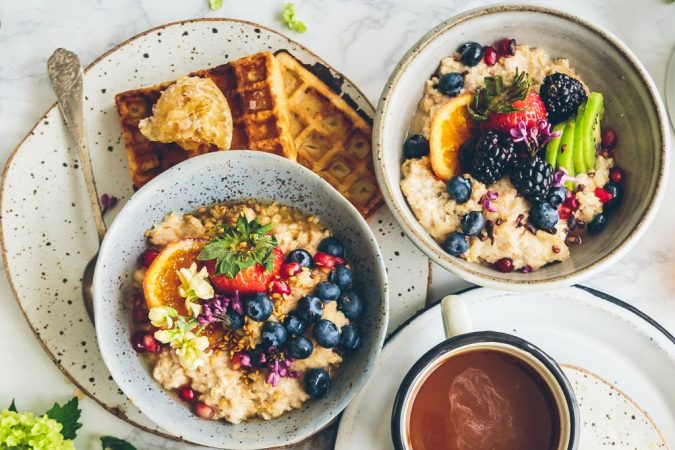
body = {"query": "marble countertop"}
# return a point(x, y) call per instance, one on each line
point(362, 38)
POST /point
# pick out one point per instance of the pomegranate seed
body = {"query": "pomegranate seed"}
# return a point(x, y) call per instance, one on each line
point(148, 257)
point(138, 341)
point(280, 287)
point(339, 261)
point(324, 260)
point(139, 315)
point(608, 139)
point(564, 212)
point(572, 203)
point(138, 299)
point(489, 55)
point(603, 195)
point(527, 268)
point(186, 393)
point(204, 411)
point(290, 269)
point(616, 175)
point(504, 265)
point(151, 344)
point(506, 47)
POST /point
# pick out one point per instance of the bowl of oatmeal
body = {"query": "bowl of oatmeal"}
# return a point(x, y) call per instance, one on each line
point(240, 301)
point(521, 147)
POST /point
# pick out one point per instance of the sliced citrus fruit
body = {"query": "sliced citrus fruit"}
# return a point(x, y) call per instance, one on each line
point(451, 126)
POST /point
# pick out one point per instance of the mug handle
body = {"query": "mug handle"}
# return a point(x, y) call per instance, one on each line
point(455, 315)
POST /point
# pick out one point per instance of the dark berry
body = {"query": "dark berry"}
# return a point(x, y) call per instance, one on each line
point(455, 244)
point(543, 216)
point(137, 341)
point(233, 320)
point(259, 307)
point(148, 257)
point(294, 326)
point(616, 175)
point(598, 224)
point(415, 147)
point(327, 291)
point(459, 188)
point(617, 196)
point(349, 339)
point(273, 333)
point(326, 333)
point(562, 96)
point(609, 138)
point(532, 177)
point(451, 84)
point(350, 304)
point(556, 195)
point(504, 265)
point(300, 347)
point(470, 53)
point(342, 276)
point(493, 157)
point(301, 257)
point(309, 309)
point(259, 357)
point(465, 155)
point(186, 393)
point(472, 223)
point(506, 47)
point(317, 382)
point(333, 247)
point(489, 55)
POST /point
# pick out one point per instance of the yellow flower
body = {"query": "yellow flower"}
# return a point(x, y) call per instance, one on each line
point(162, 316)
point(189, 347)
point(194, 285)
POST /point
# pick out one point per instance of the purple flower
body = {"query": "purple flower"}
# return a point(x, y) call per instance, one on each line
point(519, 133)
point(488, 198)
point(278, 368)
point(236, 304)
point(273, 378)
point(545, 133)
point(214, 310)
point(560, 177)
point(534, 137)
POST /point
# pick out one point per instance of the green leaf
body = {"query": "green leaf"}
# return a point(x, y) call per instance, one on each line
point(215, 4)
point(494, 97)
point(113, 443)
point(12, 406)
point(291, 22)
point(68, 416)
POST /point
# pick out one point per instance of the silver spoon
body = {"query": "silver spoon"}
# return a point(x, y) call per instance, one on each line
point(65, 73)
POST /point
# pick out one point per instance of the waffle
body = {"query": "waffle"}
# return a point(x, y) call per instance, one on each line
point(254, 90)
point(330, 137)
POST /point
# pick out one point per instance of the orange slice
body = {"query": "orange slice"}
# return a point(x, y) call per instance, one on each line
point(451, 126)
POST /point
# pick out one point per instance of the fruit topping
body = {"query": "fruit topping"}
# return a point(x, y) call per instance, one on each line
point(203, 410)
point(349, 339)
point(617, 196)
point(455, 244)
point(415, 147)
point(490, 56)
point(290, 269)
point(186, 393)
point(608, 139)
point(451, 84)
point(579, 155)
point(137, 341)
point(562, 96)
point(532, 177)
point(459, 188)
point(350, 304)
point(324, 260)
point(273, 333)
point(333, 246)
point(294, 326)
point(506, 47)
point(504, 265)
point(543, 216)
point(326, 333)
point(465, 155)
point(556, 195)
point(327, 291)
point(259, 307)
point(553, 146)
point(565, 157)
point(493, 156)
point(616, 175)
point(317, 382)
point(598, 224)
point(309, 309)
point(148, 257)
point(300, 256)
point(279, 287)
point(451, 126)
point(470, 53)
point(472, 223)
point(300, 347)
point(341, 276)
point(603, 195)
point(592, 116)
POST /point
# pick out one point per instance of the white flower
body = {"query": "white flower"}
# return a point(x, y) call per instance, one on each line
point(162, 316)
point(194, 285)
point(189, 346)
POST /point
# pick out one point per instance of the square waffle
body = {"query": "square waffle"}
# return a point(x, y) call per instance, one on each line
point(330, 137)
point(254, 90)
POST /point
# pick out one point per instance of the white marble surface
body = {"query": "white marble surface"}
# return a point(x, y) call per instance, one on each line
point(362, 38)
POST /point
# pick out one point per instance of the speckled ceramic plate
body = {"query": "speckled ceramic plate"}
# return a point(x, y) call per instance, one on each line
point(47, 233)
point(619, 361)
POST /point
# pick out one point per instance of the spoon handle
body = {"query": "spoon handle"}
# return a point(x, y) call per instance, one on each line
point(65, 73)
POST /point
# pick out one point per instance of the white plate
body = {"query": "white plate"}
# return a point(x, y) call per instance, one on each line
point(48, 236)
point(620, 362)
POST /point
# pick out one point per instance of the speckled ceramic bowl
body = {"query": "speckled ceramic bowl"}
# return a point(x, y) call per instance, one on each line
point(632, 104)
point(233, 176)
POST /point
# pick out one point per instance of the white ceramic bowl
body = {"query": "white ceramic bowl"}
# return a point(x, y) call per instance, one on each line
point(233, 176)
point(633, 107)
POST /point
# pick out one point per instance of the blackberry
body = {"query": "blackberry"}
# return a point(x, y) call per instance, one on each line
point(492, 158)
point(532, 177)
point(562, 96)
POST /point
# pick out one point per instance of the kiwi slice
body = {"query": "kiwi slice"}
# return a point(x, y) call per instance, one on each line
point(592, 117)
point(579, 156)
point(565, 156)
point(553, 146)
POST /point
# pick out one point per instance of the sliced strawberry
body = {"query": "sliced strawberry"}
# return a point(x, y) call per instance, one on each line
point(531, 111)
point(247, 281)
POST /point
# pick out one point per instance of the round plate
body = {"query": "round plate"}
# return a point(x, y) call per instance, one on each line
point(47, 232)
point(619, 361)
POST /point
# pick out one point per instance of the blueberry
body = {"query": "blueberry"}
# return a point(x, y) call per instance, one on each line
point(309, 309)
point(301, 257)
point(259, 307)
point(259, 356)
point(350, 304)
point(326, 333)
point(415, 147)
point(342, 276)
point(470, 53)
point(349, 339)
point(451, 83)
point(273, 333)
point(459, 188)
point(472, 223)
point(617, 193)
point(317, 382)
point(597, 224)
point(465, 155)
point(233, 320)
point(556, 196)
point(294, 326)
point(455, 244)
point(332, 246)
point(327, 291)
point(543, 215)
point(300, 347)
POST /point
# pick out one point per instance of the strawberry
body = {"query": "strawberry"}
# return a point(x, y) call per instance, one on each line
point(530, 110)
point(247, 281)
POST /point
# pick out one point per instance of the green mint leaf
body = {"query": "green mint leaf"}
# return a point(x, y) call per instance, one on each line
point(68, 416)
point(12, 406)
point(113, 443)
point(291, 22)
point(215, 4)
